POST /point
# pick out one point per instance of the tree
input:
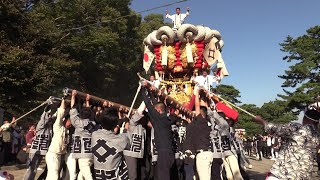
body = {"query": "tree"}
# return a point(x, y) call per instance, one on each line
point(303, 76)
point(228, 92)
point(247, 122)
point(276, 111)
point(90, 45)
point(151, 22)
point(31, 68)
point(102, 36)
point(231, 94)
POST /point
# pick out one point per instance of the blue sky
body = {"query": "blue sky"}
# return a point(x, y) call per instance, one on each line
point(252, 31)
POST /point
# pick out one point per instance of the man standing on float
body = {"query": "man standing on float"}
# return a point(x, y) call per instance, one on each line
point(178, 18)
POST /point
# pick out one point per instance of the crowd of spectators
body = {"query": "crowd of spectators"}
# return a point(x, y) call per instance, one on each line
point(262, 146)
point(14, 143)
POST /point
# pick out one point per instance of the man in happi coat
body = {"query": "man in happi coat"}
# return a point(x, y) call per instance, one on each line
point(41, 142)
point(136, 134)
point(81, 139)
point(108, 147)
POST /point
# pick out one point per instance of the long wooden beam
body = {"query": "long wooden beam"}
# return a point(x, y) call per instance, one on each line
point(97, 100)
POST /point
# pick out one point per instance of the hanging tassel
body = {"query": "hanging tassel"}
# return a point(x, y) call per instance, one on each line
point(164, 55)
point(189, 53)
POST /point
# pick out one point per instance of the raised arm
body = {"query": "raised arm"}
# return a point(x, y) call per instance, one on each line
point(74, 114)
point(191, 103)
point(138, 114)
point(169, 16)
point(134, 119)
point(60, 112)
point(151, 110)
point(197, 101)
point(44, 118)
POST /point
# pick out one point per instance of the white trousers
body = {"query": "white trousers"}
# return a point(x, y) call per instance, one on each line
point(204, 163)
point(232, 168)
point(272, 153)
point(84, 166)
point(71, 167)
point(53, 162)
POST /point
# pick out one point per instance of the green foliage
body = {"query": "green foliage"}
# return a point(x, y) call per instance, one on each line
point(303, 76)
point(150, 23)
point(228, 92)
point(91, 45)
point(31, 68)
point(247, 122)
point(277, 112)
point(101, 35)
point(273, 111)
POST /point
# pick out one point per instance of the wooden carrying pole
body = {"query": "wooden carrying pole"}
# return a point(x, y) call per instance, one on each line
point(134, 100)
point(51, 98)
point(169, 101)
point(34, 109)
point(97, 100)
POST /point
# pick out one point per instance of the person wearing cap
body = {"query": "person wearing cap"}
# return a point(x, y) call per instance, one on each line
point(296, 156)
point(229, 155)
point(215, 136)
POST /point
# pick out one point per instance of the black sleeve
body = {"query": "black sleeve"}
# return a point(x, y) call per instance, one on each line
point(188, 144)
point(153, 99)
point(151, 111)
point(174, 118)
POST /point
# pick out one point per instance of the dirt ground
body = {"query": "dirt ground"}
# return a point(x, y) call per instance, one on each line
point(258, 172)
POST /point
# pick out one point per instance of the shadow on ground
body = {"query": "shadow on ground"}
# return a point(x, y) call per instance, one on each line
point(14, 167)
point(257, 175)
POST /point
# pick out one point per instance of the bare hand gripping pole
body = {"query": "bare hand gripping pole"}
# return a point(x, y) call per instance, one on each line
point(95, 99)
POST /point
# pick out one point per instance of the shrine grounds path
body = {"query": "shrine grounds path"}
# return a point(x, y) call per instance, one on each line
point(258, 172)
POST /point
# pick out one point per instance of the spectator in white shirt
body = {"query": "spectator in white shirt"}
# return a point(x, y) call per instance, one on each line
point(154, 82)
point(269, 146)
point(205, 80)
point(178, 18)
